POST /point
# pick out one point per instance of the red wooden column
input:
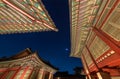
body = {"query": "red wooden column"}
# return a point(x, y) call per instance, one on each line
point(37, 73)
point(16, 73)
point(50, 75)
point(46, 74)
point(23, 74)
point(91, 56)
point(42, 74)
point(85, 63)
point(30, 73)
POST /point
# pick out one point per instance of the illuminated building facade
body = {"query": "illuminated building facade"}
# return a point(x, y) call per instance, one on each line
point(26, 65)
point(95, 36)
point(21, 16)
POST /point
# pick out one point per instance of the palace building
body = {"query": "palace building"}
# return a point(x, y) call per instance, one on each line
point(26, 65)
point(95, 36)
point(21, 16)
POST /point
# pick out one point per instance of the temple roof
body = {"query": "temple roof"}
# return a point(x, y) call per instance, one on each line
point(21, 54)
point(21, 16)
point(25, 53)
point(82, 15)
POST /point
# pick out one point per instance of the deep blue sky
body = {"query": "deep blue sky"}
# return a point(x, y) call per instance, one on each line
point(52, 46)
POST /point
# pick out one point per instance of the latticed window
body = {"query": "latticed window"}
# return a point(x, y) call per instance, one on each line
point(102, 18)
point(112, 27)
point(87, 56)
point(102, 5)
point(98, 47)
point(106, 11)
point(111, 3)
point(90, 38)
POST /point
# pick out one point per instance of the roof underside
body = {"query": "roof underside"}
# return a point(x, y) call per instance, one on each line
point(82, 14)
point(19, 16)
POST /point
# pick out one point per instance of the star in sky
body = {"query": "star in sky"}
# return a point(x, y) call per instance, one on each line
point(67, 49)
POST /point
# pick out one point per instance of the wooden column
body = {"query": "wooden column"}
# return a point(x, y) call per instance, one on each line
point(34, 73)
point(91, 56)
point(85, 63)
point(103, 75)
point(58, 78)
point(16, 73)
point(41, 74)
point(46, 74)
point(50, 75)
point(23, 74)
point(31, 73)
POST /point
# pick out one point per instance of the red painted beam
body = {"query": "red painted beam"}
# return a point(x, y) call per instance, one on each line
point(106, 40)
point(113, 60)
point(93, 69)
point(3, 69)
point(110, 61)
point(105, 53)
point(14, 68)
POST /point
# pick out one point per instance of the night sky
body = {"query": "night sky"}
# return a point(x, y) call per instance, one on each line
point(51, 46)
